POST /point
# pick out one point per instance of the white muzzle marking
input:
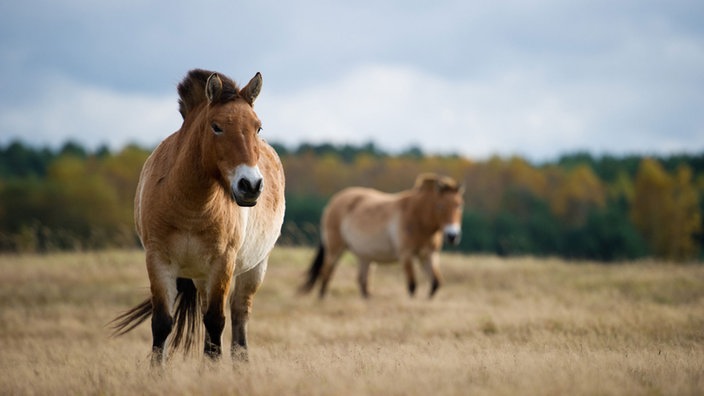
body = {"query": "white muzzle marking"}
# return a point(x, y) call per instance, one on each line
point(246, 184)
point(453, 233)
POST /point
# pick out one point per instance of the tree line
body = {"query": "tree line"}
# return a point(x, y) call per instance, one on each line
point(579, 206)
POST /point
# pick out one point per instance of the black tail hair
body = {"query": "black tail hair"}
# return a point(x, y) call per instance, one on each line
point(314, 271)
point(187, 316)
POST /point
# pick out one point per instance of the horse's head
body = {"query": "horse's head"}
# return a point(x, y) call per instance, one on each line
point(233, 128)
point(446, 204)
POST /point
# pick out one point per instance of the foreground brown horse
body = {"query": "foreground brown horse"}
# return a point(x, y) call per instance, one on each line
point(208, 210)
point(382, 228)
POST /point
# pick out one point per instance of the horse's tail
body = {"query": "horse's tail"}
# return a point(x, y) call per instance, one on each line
point(313, 271)
point(186, 317)
point(134, 317)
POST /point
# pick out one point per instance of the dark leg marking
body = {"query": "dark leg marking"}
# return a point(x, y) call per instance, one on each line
point(162, 323)
point(411, 288)
point(434, 287)
point(214, 324)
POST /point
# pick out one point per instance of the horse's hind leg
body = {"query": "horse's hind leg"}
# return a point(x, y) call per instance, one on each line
point(163, 288)
point(241, 300)
point(363, 276)
point(332, 255)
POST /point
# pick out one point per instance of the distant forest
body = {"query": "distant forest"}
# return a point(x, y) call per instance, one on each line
point(579, 206)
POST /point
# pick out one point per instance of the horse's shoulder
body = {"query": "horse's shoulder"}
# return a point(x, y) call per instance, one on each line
point(404, 199)
point(165, 153)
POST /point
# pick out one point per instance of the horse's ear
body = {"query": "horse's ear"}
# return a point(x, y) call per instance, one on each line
point(426, 182)
point(213, 88)
point(446, 184)
point(428, 185)
point(251, 91)
point(441, 186)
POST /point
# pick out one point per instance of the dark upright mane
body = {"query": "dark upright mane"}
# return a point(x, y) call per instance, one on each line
point(191, 90)
point(432, 181)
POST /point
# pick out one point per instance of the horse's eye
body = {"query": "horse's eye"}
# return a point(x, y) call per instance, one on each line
point(259, 130)
point(216, 128)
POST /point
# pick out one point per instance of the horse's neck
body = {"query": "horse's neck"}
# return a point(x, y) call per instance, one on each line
point(420, 213)
point(195, 179)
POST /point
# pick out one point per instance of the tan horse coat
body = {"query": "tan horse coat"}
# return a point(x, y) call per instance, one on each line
point(380, 227)
point(208, 209)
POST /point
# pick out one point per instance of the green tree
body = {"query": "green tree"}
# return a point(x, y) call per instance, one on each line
point(20, 161)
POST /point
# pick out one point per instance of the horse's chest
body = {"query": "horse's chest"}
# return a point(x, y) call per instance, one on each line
point(191, 254)
point(196, 244)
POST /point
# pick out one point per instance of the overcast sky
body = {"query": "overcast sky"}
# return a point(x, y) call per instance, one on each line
point(533, 78)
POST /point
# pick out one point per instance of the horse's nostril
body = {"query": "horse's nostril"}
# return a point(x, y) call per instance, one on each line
point(247, 187)
point(453, 236)
point(244, 185)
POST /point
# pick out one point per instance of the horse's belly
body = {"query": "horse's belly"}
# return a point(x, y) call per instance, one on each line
point(379, 254)
point(375, 245)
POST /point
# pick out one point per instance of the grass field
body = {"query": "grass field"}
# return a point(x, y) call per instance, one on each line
point(496, 327)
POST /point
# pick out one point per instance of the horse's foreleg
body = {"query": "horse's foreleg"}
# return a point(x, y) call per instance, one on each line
point(214, 322)
point(407, 262)
point(246, 285)
point(162, 323)
point(218, 287)
point(363, 276)
point(163, 288)
point(431, 267)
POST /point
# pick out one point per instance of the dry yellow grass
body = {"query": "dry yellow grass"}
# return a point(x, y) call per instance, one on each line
point(498, 326)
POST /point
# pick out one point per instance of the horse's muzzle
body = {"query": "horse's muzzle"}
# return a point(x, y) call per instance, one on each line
point(245, 192)
point(247, 186)
point(452, 234)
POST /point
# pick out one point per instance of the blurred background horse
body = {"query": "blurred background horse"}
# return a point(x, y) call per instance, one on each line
point(382, 228)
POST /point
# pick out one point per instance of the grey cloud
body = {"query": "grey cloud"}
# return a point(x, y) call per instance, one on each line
point(597, 75)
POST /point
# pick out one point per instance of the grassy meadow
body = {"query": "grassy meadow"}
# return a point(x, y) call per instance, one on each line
point(496, 327)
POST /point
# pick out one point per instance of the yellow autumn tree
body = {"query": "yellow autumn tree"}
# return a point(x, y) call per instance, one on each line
point(577, 194)
point(121, 172)
point(665, 210)
point(686, 219)
point(298, 170)
point(487, 183)
point(82, 202)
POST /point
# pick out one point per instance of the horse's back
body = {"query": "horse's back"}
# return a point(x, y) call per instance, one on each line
point(360, 202)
